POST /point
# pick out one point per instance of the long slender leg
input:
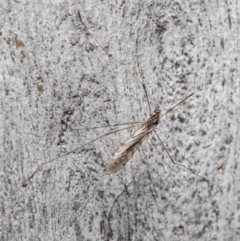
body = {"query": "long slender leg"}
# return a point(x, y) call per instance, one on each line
point(194, 89)
point(133, 177)
point(116, 61)
point(72, 151)
point(175, 163)
point(99, 127)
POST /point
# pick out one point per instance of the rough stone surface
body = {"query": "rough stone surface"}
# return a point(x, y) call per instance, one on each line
point(53, 77)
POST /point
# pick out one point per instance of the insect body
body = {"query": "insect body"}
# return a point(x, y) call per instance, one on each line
point(121, 156)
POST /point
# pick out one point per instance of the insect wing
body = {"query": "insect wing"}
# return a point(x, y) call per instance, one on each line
point(122, 155)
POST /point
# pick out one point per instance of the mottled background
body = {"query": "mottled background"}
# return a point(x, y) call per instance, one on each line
point(53, 77)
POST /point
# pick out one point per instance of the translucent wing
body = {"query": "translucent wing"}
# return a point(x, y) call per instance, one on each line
point(122, 155)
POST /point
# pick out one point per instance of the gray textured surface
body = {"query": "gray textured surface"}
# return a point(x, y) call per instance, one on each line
point(51, 74)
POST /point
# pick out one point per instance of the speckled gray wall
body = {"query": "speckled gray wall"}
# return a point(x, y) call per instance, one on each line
point(54, 79)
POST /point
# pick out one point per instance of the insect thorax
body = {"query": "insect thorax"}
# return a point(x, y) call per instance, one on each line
point(152, 120)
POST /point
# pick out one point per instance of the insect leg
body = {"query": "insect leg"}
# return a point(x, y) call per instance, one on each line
point(78, 148)
point(194, 88)
point(116, 61)
point(133, 177)
point(175, 163)
point(109, 126)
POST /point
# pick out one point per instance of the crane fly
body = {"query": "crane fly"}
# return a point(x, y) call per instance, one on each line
point(125, 151)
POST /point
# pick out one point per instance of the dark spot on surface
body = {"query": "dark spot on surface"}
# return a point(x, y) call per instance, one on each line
point(203, 132)
point(40, 89)
point(189, 147)
point(229, 140)
point(177, 65)
point(229, 20)
point(223, 148)
point(178, 230)
point(24, 184)
point(222, 43)
point(76, 206)
point(100, 194)
point(181, 119)
point(19, 44)
point(223, 82)
point(173, 118)
point(160, 28)
point(8, 41)
point(177, 129)
point(39, 78)
point(180, 143)
point(23, 55)
point(90, 48)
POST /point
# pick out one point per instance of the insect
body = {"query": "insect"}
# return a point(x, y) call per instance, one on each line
point(124, 152)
